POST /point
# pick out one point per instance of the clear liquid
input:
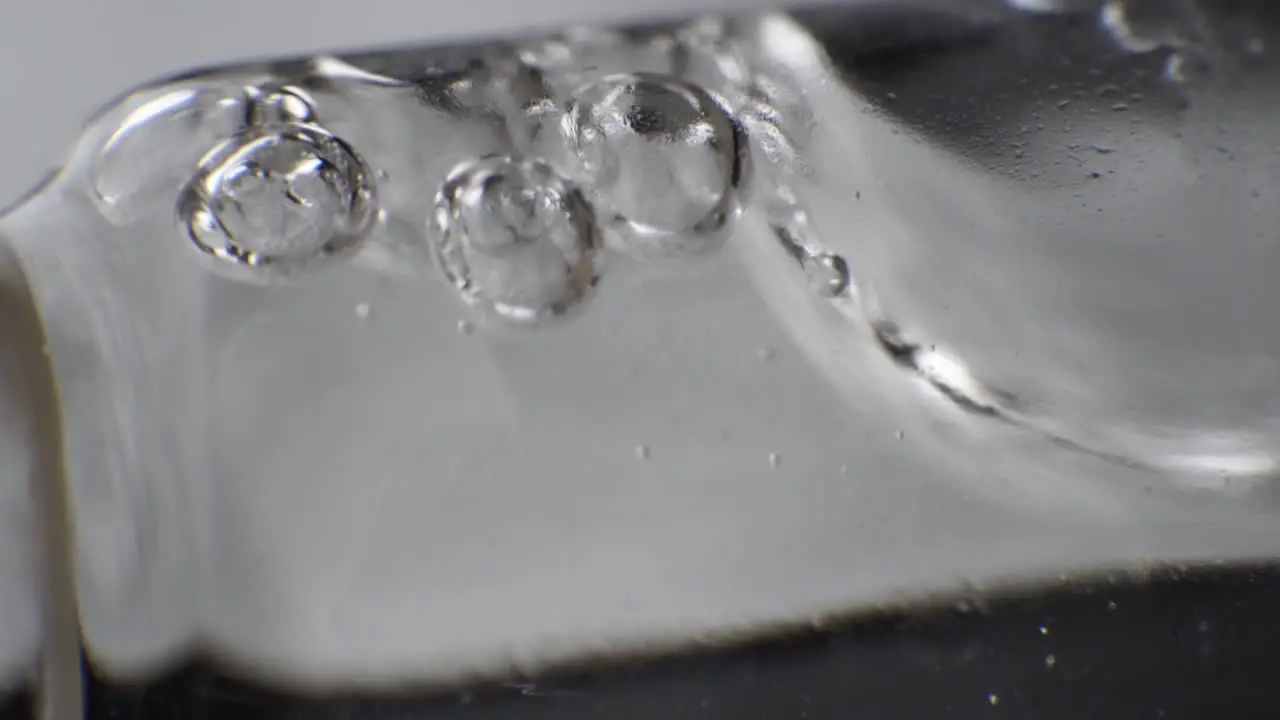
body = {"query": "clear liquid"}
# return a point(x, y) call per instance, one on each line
point(410, 367)
point(1082, 228)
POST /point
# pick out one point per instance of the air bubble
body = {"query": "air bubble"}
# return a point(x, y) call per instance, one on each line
point(277, 200)
point(515, 238)
point(827, 273)
point(575, 48)
point(665, 162)
point(775, 115)
point(1141, 26)
point(1187, 67)
point(157, 145)
point(572, 58)
point(1114, 17)
point(284, 104)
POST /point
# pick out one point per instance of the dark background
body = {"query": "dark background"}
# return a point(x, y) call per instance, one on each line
point(1178, 645)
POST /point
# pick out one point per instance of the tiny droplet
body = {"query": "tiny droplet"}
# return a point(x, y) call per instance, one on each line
point(642, 452)
point(775, 460)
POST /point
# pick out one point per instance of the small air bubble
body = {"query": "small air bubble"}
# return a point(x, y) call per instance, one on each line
point(1044, 629)
point(1115, 19)
point(278, 200)
point(774, 460)
point(284, 104)
point(515, 239)
point(1186, 67)
point(827, 273)
point(766, 353)
point(363, 310)
point(642, 452)
point(1111, 605)
point(1050, 661)
point(464, 327)
point(663, 159)
point(993, 699)
point(899, 434)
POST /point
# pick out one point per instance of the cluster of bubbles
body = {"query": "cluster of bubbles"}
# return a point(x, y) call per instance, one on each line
point(610, 149)
point(645, 144)
point(262, 188)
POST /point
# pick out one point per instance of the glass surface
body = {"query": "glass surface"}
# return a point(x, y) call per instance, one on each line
point(416, 366)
